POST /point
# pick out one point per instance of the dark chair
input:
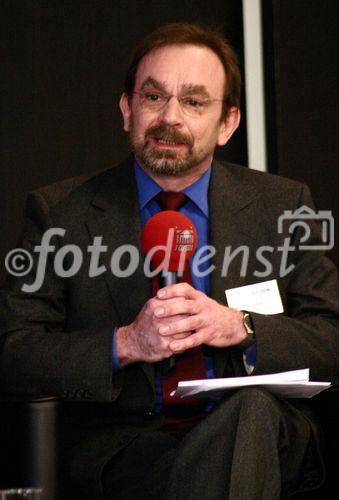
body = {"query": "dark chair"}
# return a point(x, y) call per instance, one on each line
point(29, 439)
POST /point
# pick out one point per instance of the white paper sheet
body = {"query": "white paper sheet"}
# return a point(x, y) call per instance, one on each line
point(291, 384)
point(262, 298)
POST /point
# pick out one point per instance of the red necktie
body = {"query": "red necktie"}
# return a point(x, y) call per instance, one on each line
point(181, 413)
point(170, 200)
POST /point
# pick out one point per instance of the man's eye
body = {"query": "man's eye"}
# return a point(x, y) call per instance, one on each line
point(193, 103)
point(153, 97)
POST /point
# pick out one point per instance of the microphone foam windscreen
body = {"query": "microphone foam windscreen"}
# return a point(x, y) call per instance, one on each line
point(170, 237)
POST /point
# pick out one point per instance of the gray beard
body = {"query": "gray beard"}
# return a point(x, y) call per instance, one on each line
point(165, 162)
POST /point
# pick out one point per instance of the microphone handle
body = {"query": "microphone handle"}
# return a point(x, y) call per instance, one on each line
point(168, 364)
point(168, 278)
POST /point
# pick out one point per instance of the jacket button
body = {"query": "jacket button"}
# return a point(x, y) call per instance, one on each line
point(149, 413)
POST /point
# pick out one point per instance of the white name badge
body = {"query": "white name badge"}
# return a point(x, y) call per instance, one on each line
point(262, 298)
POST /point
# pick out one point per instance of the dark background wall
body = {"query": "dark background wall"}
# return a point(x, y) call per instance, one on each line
point(62, 70)
point(63, 67)
point(301, 47)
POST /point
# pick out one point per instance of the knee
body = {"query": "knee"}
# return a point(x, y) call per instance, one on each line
point(256, 400)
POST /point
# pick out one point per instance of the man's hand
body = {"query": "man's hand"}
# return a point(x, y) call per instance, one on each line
point(178, 318)
point(141, 340)
point(211, 323)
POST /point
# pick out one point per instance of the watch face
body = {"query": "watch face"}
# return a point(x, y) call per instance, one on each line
point(248, 323)
point(250, 338)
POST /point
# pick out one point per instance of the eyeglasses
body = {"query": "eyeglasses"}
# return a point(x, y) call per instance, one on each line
point(190, 105)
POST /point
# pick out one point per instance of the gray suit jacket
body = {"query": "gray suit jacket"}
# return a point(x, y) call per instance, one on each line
point(59, 340)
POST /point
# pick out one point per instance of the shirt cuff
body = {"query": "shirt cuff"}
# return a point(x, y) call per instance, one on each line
point(250, 358)
point(116, 364)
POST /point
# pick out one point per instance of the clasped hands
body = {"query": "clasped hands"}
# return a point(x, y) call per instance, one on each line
point(179, 317)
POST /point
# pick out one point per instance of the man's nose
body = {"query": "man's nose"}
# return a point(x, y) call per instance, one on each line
point(172, 113)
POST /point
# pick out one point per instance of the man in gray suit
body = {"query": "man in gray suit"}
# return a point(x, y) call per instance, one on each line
point(99, 339)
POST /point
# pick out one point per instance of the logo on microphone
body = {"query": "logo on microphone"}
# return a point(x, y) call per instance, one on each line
point(184, 240)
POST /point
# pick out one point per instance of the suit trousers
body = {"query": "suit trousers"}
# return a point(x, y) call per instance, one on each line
point(253, 446)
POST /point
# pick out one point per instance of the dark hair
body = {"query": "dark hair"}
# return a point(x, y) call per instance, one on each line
point(183, 33)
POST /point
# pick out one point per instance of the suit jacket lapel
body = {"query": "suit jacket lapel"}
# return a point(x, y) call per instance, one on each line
point(115, 217)
point(230, 203)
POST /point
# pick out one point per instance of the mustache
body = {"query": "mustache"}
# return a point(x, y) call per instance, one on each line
point(167, 133)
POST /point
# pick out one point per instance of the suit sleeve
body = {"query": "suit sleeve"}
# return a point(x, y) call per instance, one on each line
point(38, 355)
point(307, 334)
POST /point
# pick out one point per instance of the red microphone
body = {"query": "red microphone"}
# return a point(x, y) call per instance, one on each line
point(169, 240)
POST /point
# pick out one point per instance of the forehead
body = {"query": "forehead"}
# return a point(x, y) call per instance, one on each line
point(179, 66)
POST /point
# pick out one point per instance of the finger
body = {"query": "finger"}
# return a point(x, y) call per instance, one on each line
point(174, 307)
point(154, 303)
point(194, 340)
point(167, 321)
point(178, 290)
point(185, 325)
point(180, 336)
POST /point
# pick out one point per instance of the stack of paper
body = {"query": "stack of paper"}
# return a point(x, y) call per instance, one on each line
point(292, 384)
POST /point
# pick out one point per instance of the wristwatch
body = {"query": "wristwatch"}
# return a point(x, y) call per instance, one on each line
point(249, 327)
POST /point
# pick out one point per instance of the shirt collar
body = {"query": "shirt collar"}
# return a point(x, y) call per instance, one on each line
point(148, 188)
point(198, 191)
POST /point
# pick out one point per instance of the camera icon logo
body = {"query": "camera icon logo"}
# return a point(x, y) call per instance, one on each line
point(302, 218)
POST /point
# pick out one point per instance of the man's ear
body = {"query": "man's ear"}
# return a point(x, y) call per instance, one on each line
point(126, 111)
point(228, 126)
